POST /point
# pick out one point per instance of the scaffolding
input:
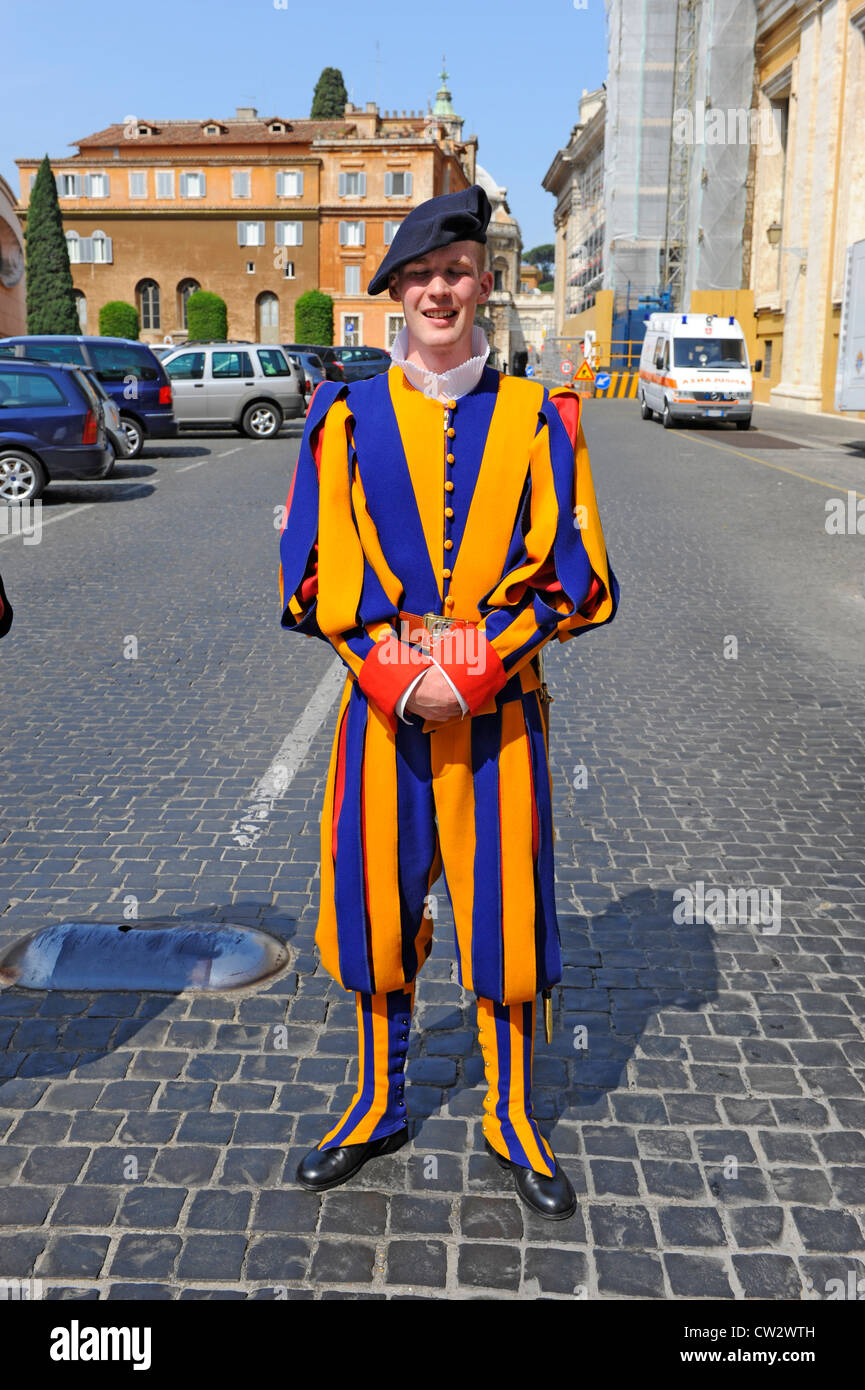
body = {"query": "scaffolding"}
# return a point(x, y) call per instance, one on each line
point(676, 148)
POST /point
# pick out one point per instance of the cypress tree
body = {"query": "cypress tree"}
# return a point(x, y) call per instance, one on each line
point(330, 96)
point(51, 306)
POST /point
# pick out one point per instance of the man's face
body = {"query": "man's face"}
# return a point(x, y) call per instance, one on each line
point(439, 293)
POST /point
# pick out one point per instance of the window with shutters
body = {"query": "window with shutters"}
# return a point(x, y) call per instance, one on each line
point(352, 279)
point(390, 232)
point(289, 183)
point(138, 184)
point(102, 254)
point(192, 185)
point(289, 233)
point(241, 183)
point(73, 246)
point(165, 183)
point(352, 183)
point(397, 184)
point(288, 270)
point(250, 233)
point(352, 234)
point(96, 185)
point(68, 185)
point(394, 323)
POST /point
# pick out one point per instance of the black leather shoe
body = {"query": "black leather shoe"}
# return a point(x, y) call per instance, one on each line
point(551, 1197)
point(322, 1168)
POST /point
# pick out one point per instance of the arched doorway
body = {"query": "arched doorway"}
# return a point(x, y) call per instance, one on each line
point(267, 318)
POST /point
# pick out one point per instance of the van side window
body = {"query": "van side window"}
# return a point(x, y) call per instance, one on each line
point(667, 355)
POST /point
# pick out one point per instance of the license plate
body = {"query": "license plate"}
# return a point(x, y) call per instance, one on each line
point(715, 412)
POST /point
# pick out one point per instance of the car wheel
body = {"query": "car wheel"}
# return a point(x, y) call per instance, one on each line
point(262, 421)
point(743, 424)
point(666, 419)
point(22, 477)
point(645, 411)
point(134, 436)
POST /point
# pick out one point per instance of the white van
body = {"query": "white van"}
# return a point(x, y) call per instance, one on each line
point(695, 367)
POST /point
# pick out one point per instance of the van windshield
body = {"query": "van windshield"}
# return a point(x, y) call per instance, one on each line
point(709, 352)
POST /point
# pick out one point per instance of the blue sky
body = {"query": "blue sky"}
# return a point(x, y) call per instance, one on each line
point(516, 71)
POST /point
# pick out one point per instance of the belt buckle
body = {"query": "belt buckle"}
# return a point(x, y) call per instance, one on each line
point(436, 623)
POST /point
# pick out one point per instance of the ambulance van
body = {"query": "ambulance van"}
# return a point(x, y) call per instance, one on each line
point(695, 367)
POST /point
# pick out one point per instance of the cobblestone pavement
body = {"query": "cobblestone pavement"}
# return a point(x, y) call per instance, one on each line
point(711, 1111)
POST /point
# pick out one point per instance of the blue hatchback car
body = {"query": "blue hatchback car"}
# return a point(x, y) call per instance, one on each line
point(52, 426)
point(132, 375)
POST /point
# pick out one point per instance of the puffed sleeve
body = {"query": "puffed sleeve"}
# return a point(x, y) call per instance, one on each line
point(334, 583)
point(558, 580)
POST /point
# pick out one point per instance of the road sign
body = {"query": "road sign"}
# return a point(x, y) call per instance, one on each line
point(602, 381)
point(567, 366)
point(530, 371)
point(584, 372)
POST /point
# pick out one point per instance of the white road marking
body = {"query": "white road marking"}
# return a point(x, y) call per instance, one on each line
point(186, 467)
point(251, 823)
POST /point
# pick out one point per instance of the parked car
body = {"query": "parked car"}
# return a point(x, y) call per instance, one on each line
point(113, 425)
point(253, 387)
point(52, 426)
point(312, 370)
point(132, 376)
point(117, 436)
point(333, 369)
point(361, 363)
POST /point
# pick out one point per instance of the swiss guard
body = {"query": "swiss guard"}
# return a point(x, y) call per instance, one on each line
point(441, 527)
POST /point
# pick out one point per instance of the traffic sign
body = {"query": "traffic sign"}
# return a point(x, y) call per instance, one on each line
point(567, 366)
point(602, 381)
point(584, 372)
point(530, 371)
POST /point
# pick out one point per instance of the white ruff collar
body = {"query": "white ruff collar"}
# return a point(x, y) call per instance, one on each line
point(444, 386)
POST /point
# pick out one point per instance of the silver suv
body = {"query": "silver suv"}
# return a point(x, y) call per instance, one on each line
point(252, 386)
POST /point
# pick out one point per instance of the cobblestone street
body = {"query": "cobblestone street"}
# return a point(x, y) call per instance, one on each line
point(705, 1088)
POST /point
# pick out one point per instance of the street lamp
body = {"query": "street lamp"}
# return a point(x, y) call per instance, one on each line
point(773, 232)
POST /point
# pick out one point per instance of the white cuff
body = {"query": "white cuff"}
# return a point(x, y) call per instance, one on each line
point(401, 702)
point(463, 706)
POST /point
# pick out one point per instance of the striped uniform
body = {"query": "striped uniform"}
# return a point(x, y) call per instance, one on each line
point(482, 509)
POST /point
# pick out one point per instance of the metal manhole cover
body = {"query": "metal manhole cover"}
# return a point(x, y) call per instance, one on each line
point(158, 955)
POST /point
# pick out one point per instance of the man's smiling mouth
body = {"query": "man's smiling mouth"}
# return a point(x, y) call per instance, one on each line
point(439, 313)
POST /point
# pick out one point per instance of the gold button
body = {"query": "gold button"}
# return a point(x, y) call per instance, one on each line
point(449, 545)
point(449, 487)
point(452, 405)
point(449, 511)
point(451, 432)
point(450, 458)
point(449, 602)
point(446, 574)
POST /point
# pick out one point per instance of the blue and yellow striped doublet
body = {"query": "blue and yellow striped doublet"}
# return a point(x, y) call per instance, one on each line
point(481, 510)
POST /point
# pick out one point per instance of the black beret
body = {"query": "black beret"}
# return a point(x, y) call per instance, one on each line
point(459, 216)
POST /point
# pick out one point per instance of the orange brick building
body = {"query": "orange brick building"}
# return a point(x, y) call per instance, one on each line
point(258, 211)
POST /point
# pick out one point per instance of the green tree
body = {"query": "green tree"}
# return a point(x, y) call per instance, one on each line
point(51, 306)
point(313, 318)
point(207, 317)
point(544, 257)
point(117, 319)
point(329, 97)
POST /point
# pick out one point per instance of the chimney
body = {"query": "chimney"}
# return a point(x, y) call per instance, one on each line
point(246, 113)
